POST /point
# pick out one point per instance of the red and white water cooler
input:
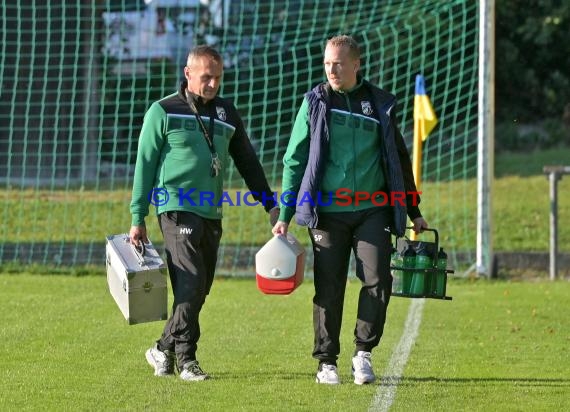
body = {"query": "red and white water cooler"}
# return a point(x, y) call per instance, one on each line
point(280, 265)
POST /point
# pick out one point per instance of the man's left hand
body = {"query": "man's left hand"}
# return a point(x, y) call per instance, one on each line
point(420, 224)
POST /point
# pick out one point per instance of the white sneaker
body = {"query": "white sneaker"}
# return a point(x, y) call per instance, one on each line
point(191, 371)
point(162, 362)
point(362, 368)
point(328, 374)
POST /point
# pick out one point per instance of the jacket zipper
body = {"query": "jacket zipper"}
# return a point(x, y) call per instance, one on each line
point(353, 128)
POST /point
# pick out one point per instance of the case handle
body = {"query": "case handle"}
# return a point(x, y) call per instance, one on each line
point(139, 251)
point(429, 230)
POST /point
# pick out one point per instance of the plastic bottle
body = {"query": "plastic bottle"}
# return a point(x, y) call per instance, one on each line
point(421, 277)
point(397, 261)
point(409, 258)
point(439, 288)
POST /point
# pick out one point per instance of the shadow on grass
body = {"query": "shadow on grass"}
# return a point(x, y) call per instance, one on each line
point(394, 380)
point(287, 376)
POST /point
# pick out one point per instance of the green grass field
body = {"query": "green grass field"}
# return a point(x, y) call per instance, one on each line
point(497, 346)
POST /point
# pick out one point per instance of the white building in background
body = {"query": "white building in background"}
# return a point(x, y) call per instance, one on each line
point(152, 29)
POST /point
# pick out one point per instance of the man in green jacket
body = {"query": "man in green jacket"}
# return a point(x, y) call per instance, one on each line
point(185, 145)
point(348, 177)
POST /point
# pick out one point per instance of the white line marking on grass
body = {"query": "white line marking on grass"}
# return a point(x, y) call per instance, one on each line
point(386, 392)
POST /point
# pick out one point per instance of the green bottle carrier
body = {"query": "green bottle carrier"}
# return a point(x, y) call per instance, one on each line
point(419, 268)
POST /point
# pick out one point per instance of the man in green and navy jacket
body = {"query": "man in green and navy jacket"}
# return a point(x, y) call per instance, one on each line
point(348, 177)
point(185, 146)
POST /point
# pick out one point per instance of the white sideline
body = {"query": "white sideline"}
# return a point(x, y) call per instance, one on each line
point(386, 392)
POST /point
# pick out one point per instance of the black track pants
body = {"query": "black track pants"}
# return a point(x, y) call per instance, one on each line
point(191, 245)
point(337, 234)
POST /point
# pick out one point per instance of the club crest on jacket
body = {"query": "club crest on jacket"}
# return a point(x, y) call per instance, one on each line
point(221, 113)
point(366, 107)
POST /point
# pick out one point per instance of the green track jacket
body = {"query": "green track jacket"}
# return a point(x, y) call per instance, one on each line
point(173, 164)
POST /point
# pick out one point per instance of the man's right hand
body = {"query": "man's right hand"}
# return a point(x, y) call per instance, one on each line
point(280, 228)
point(136, 234)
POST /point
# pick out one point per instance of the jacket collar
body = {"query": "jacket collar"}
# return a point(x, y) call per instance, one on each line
point(195, 98)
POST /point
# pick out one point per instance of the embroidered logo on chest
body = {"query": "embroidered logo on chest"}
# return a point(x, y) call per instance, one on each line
point(221, 113)
point(366, 107)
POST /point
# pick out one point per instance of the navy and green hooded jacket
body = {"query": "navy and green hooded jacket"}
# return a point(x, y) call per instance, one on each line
point(343, 143)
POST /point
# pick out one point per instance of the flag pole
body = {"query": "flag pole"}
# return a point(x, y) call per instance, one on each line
point(416, 163)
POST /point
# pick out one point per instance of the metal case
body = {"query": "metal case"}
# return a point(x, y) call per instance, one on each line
point(137, 280)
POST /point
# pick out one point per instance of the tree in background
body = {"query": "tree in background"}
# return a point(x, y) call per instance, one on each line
point(532, 60)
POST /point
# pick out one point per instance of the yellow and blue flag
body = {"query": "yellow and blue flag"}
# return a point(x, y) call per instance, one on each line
point(424, 115)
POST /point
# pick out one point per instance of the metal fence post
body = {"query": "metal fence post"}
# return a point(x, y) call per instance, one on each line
point(554, 175)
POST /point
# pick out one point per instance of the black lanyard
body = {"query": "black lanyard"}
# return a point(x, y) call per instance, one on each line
point(216, 164)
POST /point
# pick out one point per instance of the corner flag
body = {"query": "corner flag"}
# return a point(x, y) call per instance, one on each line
point(424, 116)
point(424, 122)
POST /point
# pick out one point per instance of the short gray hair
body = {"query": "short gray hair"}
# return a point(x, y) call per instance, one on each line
point(203, 51)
